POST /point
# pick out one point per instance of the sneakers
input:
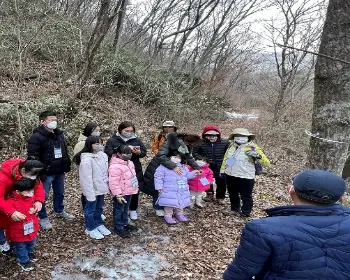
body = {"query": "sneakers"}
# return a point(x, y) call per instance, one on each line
point(160, 213)
point(27, 266)
point(182, 218)
point(5, 247)
point(32, 257)
point(103, 217)
point(244, 215)
point(170, 220)
point(221, 201)
point(123, 233)
point(131, 228)
point(64, 215)
point(45, 224)
point(95, 234)
point(103, 230)
point(209, 197)
point(230, 212)
point(198, 202)
point(133, 215)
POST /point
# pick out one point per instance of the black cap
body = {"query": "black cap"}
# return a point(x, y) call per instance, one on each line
point(24, 184)
point(319, 186)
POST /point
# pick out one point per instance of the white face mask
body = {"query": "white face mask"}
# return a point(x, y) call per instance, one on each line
point(52, 125)
point(241, 139)
point(96, 133)
point(33, 177)
point(27, 194)
point(201, 162)
point(175, 159)
point(127, 134)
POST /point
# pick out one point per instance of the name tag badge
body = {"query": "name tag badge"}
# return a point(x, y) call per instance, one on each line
point(58, 152)
point(134, 181)
point(231, 161)
point(204, 181)
point(28, 228)
point(182, 184)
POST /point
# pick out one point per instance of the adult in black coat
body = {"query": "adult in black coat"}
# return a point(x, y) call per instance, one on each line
point(47, 144)
point(126, 136)
point(174, 142)
point(213, 149)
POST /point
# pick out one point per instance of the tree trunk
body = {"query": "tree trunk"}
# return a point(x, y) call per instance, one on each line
point(331, 111)
point(120, 22)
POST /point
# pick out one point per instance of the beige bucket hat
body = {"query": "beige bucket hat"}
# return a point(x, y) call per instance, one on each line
point(242, 131)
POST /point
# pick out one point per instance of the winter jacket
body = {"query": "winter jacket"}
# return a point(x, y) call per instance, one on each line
point(122, 177)
point(196, 183)
point(172, 143)
point(8, 175)
point(93, 175)
point(213, 152)
point(175, 190)
point(15, 230)
point(295, 242)
point(237, 164)
point(43, 144)
point(158, 141)
point(116, 140)
point(80, 145)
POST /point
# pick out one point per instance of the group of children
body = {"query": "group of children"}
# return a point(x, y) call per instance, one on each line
point(101, 174)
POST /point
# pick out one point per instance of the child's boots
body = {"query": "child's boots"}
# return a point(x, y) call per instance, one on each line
point(198, 201)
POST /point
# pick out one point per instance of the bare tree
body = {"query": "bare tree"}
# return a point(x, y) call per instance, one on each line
point(331, 110)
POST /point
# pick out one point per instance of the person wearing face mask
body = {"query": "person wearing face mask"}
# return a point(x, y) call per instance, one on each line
point(123, 184)
point(213, 148)
point(174, 193)
point(158, 141)
point(126, 136)
point(202, 182)
point(23, 234)
point(13, 170)
point(48, 145)
point(93, 177)
point(91, 129)
point(308, 240)
point(239, 168)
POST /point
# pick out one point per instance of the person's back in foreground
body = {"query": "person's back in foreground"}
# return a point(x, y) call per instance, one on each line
point(308, 240)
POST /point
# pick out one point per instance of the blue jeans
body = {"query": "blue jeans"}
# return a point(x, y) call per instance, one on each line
point(155, 205)
point(24, 249)
point(120, 213)
point(92, 213)
point(57, 182)
point(2, 237)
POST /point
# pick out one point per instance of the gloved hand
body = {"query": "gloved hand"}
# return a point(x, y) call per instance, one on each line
point(222, 175)
point(253, 154)
point(120, 199)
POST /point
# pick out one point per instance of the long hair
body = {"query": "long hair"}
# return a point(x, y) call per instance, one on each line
point(87, 148)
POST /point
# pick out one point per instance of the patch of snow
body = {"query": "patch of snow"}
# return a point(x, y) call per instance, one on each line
point(235, 115)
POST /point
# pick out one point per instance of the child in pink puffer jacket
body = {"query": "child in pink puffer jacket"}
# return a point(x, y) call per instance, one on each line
point(122, 184)
point(201, 183)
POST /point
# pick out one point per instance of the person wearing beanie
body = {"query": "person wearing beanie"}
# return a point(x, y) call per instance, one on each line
point(159, 139)
point(213, 148)
point(23, 234)
point(308, 240)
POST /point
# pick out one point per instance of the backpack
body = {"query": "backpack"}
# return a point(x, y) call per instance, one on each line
point(258, 167)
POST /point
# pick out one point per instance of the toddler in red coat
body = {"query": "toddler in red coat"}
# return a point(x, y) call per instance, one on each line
point(23, 234)
point(201, 183)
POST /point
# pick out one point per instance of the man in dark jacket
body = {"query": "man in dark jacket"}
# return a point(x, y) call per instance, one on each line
point(214, 148)
point(173, 143)
point(47, 144)
point(309, 240)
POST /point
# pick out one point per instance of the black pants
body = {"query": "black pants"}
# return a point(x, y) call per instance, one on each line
point(240, 189)
point(220, 188)
point(134, 204)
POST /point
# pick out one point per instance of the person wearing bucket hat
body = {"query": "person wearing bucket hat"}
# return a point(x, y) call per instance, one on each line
point(213, 148)
point(159, 139)
point(239, 168)
point(307, 240)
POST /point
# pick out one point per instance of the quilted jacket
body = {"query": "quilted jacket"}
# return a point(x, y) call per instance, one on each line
point(295, 242)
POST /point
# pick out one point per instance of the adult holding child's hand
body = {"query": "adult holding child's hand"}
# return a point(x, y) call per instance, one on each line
point(13, 170)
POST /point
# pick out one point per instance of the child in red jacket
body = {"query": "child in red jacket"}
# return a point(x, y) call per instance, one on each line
point(23, 234)
point(201, 183)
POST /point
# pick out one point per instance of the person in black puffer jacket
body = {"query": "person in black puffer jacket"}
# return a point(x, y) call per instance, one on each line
point(126, 136)
point(47, 144)
point(174, 142)
point(214, 149)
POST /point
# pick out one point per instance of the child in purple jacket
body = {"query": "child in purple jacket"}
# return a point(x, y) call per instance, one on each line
point(174, 193)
